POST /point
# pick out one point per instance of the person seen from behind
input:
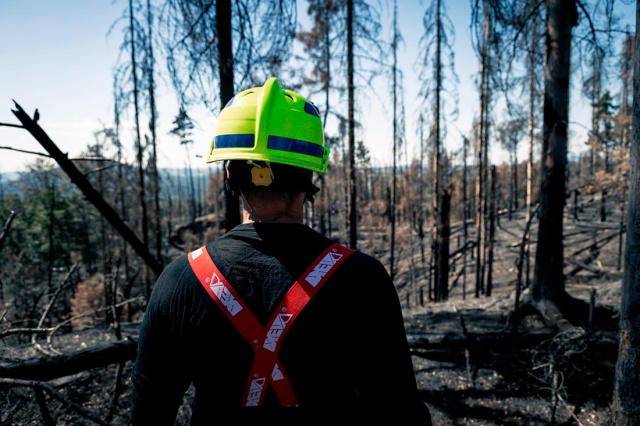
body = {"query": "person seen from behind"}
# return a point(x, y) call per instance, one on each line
point(273, 320)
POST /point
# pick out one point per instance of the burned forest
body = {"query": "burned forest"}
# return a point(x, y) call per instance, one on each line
point(514, 243)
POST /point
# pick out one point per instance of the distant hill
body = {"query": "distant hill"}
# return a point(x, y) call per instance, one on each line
point(9, 176)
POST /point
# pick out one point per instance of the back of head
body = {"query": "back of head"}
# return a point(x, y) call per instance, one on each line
point(264, 179)
point(271, 138)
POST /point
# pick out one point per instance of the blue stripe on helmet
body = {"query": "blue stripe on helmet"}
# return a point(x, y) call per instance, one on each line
point(295, 145)
point(234, 141)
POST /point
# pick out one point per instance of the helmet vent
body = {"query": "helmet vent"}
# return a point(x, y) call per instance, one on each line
point(311, 109)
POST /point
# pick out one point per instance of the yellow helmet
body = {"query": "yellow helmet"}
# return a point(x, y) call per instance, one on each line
point(270, 124)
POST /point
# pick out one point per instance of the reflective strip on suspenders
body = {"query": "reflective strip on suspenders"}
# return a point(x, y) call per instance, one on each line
point(266, 341)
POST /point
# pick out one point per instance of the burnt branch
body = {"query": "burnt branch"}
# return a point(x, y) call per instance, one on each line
point(5, 230)
point(39, 387)
point(54, 367)
point(48, 308)
point(91, 194)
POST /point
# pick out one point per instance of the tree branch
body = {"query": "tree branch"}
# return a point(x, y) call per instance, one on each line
point(5, 230)
point(91, 194)
point(49, 368)
point(46, 387)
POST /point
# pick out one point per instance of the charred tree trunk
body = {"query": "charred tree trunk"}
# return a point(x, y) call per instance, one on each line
point(437, 232)
point(157, 215)
point(353, 214)
point(480, 182)
point(516, 204)
point(3, 234)
point(421, 210)
point(139, 148)
point(486, 123)
point(123, 209)
point(531, 124)
point(492, 231)
point(442, 283)
point(626, 397)
point(227, 88)
point(52, 220)
point(548, 288)
point(465, 216)
point(394, 187)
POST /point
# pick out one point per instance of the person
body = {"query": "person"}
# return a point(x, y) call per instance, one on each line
point(273, 320)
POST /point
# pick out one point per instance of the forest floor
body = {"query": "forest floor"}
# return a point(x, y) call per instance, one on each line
point(471, 370)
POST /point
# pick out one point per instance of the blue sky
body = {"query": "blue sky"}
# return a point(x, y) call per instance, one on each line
point(57, 57)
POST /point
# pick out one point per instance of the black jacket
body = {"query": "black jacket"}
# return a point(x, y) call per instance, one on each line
point(346, 354)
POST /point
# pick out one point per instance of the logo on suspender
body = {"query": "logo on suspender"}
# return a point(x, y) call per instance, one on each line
point(322, 268)
point(225, 296)
point(276, 374)
point(255, 391)
point(275, 331)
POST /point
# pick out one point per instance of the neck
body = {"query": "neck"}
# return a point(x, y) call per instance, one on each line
point(273, 212)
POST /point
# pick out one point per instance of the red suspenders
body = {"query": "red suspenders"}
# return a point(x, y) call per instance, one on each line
point(266, 341)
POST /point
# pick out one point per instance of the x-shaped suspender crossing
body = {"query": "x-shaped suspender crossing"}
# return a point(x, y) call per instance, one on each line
point(266, 341)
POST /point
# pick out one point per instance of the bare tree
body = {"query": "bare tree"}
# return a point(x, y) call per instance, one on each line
point(420, 210)
point(547, 288)
point(149, 73)
point(398, 133)
point(127, 74)
point(435, 57)
point(482, 20)
point(624, 122)
point(362, 29)
point(319, 46)
point(592, 87)
point(207, 64)
point(344, 38)
point(509, 134)
point(626, 396)
point(534, 59)
point(183, 127)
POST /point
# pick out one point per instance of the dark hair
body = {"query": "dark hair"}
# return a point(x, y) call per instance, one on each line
point(282, 178)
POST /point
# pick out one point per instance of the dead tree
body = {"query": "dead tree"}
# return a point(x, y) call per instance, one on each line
point(626, 397)
point(93, 196)
point(548, 289)
point(442, 245)
point(492, 231)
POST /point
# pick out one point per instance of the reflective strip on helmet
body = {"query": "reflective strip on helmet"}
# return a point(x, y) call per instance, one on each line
point(295, 145)
point(234, 141)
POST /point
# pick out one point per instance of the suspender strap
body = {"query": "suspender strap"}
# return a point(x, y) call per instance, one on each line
point(285, 314)
point(266, 341)
point(225, 296)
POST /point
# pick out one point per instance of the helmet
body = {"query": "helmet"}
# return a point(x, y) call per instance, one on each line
point(270, 124)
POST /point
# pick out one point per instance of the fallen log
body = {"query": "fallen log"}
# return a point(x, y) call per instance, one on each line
point(50, 368)
point(456, 349)
point(581, 265)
